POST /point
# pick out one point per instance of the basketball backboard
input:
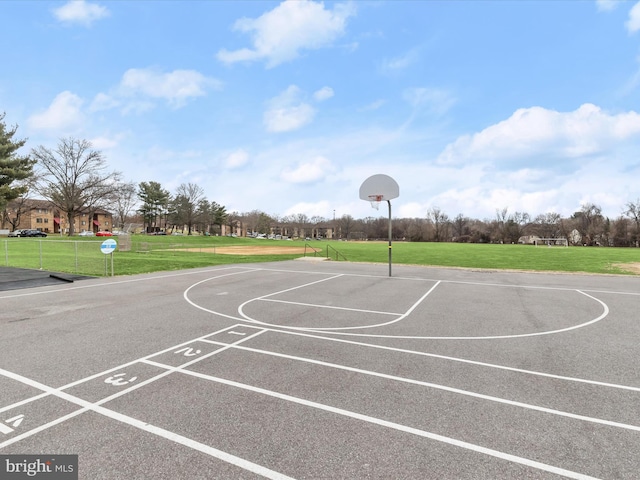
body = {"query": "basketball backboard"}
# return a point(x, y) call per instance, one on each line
point(379, 187)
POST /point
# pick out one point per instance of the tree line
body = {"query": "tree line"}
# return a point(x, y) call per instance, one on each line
point(75, 178)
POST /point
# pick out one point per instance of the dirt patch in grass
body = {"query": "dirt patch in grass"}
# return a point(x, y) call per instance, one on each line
point(251, 250)
point(633, 267)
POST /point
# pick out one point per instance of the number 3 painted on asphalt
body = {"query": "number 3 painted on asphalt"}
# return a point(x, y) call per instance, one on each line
point(118, 381)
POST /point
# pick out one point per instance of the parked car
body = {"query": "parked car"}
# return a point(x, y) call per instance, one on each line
point(32, 233)
point(85, 233)
point(15, 233)
point(104, 234)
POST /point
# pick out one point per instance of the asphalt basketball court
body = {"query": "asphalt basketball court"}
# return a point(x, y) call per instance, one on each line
point(326, 370)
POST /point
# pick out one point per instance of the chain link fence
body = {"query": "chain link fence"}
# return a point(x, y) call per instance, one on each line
point(78, 257)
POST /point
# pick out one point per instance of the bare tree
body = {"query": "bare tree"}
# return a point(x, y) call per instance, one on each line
point(124, 201)
point(346, 225)
point(633, 212)
point(440, 222)
point(461, 230)
point(547, 225)
point(73, 178)
point(188, 197)
point(590, 223)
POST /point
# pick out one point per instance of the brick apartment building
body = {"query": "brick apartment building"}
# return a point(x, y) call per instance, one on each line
point(42, 215)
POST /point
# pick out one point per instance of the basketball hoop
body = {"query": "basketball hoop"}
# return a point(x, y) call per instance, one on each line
point(385, 188)
point(375, 201)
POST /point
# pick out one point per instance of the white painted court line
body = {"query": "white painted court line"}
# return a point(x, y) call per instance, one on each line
point(458, 359)
point(102, 374)
point(359, 310)
point(297, 287)
point(173, 437)
point(140, 360)
point(24, 402)
point(108, 282)
point(341, 330)
point(604, 314)
point(395, 426)
point(465, 282)
point(185, 295)
point(435, 386)
point(327, 329)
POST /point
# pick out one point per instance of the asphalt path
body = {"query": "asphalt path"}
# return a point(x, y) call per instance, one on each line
point(326, 370)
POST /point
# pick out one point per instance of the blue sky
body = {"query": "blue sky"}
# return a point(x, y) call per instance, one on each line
point(287, 107)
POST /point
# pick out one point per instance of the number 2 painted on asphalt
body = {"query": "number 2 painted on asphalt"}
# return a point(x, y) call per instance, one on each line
point(188, 352)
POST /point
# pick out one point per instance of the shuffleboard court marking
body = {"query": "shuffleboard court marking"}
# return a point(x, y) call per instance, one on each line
point(133, 422)
point(388, 424)
point(14, 376)
point(5, 429)
point(506, 368)
point(435, 386)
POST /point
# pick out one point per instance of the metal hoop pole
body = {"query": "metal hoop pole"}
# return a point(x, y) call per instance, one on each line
point(389, 202)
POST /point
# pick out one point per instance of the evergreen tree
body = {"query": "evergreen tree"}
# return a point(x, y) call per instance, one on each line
point(13, 167)
point(155, 204)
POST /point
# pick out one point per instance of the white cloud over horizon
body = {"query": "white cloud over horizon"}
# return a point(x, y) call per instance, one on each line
point(63, 114)
point(281, 34)
point(633, 22)
point(288, 111)
point(433, 104)
point(534, 131)
point(80, 12)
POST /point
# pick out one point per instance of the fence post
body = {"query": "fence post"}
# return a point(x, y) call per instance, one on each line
point(40, 247)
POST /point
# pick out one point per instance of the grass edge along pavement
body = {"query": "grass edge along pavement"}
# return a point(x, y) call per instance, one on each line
point(151, 254)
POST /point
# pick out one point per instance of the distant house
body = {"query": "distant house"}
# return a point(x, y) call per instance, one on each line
point(44, 216)
point(528, 239)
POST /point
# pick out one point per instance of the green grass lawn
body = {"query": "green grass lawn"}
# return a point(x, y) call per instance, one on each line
point(164, 253)
point(494, 256)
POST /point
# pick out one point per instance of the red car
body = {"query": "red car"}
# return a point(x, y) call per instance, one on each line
point(104, 234)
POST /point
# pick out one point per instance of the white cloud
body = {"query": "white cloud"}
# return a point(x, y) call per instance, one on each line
point(531, 132)
point(401, 62)
point(319, 209)
point(105, 142)
point(81, 12)
point(63, 114)
point(323, 94)
point(607, 5)
point(288, 112)
point(373, 106)
point(633, 23)
point(236, 159)
point(176, 87)
point(281, 34)
point(103, 101)
point(434, 100)
point(308, 172)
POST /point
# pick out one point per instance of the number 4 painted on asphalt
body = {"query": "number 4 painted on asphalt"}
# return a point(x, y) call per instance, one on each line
point(14, 421)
